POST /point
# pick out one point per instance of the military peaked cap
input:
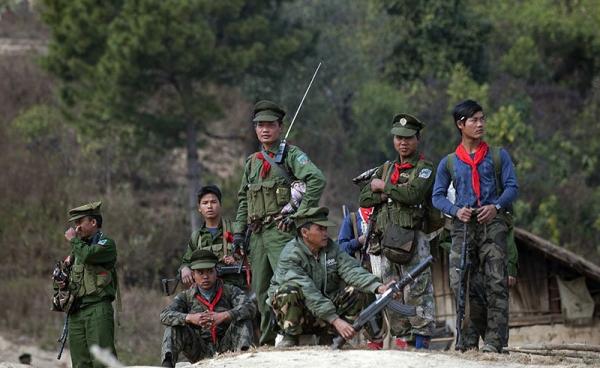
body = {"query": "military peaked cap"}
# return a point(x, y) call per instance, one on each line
point(90, 209)
point(267, 111)
point(202, 259)
point(315, 215)
point(406, 125)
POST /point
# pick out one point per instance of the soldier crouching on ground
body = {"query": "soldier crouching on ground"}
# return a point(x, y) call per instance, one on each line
point(208, 318)
point(306, 291)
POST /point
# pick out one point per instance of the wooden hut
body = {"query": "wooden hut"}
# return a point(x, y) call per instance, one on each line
point(556, 299)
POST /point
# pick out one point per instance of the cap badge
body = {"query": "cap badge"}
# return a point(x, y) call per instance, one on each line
point(403, 121)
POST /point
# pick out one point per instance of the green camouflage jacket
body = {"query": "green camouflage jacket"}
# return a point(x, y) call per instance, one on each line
point(320, 278)
point(260, 197)
point(93, 275)
point(203, 239)
point(233, 300)
point(407, 199)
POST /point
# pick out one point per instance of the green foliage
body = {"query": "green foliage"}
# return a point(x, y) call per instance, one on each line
point(461, 86)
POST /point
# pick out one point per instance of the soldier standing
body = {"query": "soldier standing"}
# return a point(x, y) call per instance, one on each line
point(482, 201)
point(215, 235)
point(306, 291)
point(93, 283)
point(401, 192)
point(265, 190)
point(210, 317)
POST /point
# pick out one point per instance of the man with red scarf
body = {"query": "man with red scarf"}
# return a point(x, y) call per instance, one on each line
point(400, 191)
point(482, 201)
point(265, 190)
point(208, 318)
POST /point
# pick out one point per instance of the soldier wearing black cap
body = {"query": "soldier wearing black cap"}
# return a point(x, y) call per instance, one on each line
point(210, 317)
point(93, 282)
point(264, 193)
point(400, 191)
point(215, 235)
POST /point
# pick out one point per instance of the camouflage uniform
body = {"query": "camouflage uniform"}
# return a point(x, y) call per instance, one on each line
point(405, 206)
point(196, 343)
point(307, 292)
point(260, 200)
point(488, 280)
point(220, 244)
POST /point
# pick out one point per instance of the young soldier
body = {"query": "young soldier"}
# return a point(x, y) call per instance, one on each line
point(93, 283)
point(215, 235)
point(264, 191)
point(401, 191)
point(210, 317)
point(482, 199)
point(306, 291)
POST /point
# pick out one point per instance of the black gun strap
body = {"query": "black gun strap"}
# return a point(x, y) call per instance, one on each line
point(282, 170)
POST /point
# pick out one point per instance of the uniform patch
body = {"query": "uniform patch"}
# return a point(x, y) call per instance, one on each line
point(302, 159)
point(331, 262)
point(102, 242)
point(425, 173)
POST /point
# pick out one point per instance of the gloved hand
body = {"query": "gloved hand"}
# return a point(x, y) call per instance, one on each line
point(238, 243)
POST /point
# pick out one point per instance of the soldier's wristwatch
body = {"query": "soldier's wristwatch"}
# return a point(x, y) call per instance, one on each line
point(498, 207)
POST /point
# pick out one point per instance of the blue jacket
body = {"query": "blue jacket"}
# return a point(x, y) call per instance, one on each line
point(348, 242)
point(465, 196)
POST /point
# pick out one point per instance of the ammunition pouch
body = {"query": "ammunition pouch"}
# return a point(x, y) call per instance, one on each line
point(89, 279)
point(266, 198)
point(398, 243)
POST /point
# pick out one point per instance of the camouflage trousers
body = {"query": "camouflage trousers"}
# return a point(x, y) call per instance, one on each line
point(487, 281)
point(293, 318)
point(419, 293)
point(196, 344)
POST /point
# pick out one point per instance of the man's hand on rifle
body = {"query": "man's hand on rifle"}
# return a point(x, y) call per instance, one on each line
point(486, 214)
point(186, 276)
point(383, 288)
point(464, 214)
point(284, 223)
point(377, 185)
point(229, 260)
point(344, 328)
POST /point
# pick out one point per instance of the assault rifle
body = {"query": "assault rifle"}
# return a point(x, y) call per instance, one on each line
point(386, 300)
point(283, 145)
point(463, 275)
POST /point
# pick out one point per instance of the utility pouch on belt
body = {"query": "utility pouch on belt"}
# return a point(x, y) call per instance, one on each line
point(398, 243)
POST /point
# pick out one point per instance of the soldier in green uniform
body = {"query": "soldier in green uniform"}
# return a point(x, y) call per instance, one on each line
point(401, 191)
point(210, 317)
point(93, 283)
point(307, 292)
point(215, 235)
point(264, 192)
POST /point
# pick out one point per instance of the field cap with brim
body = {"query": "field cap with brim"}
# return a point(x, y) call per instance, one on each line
point(209, 189)
point(90, 209)
point(202, 259)
point(266, 110)
point(315, 215)
point(405, 125)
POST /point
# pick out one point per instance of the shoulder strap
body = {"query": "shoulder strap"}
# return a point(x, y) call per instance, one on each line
point(354, 222)
point(281, 167)
point(385, 171)
point(225, 225)
point(450, 166)
point(497, 161)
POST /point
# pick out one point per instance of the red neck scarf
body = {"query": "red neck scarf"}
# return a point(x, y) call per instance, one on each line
point(266, 166)
point(464, 156)
point(365, 213)
point(398, 168)
point(211, 307)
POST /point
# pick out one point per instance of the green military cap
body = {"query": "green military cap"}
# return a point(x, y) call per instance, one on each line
point(202, 259)
point(315, 215)
point(406, 125)
point(90, 209)
point(268, 111)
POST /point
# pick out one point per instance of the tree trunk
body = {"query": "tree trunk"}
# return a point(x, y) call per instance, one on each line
point(193, 166)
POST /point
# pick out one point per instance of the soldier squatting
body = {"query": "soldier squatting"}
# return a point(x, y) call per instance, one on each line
point(302, 281)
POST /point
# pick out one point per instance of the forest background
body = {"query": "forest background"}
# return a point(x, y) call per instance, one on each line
point(137, 103)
